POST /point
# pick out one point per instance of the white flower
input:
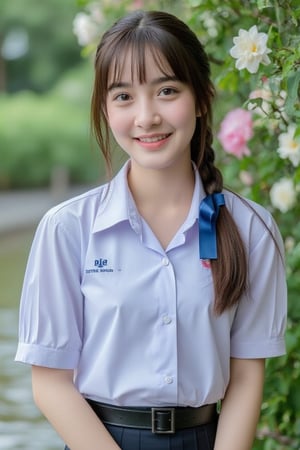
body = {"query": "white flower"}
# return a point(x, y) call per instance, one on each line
point(250, 49)
point(283, 195)
point(85, 28)
point(289, 146)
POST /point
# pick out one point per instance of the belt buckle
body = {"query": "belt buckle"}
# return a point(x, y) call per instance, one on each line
point(163, 420)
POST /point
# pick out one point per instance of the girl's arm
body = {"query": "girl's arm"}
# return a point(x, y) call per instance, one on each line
point(74, 420)
point(240, 408)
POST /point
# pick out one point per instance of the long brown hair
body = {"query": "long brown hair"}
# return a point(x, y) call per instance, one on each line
point(171, 40)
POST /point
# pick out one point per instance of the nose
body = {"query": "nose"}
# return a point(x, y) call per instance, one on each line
point(147, 115)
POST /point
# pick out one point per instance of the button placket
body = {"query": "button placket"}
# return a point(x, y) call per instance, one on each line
point(167, 336)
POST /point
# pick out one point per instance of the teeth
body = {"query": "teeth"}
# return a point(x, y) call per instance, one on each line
point(153, 139)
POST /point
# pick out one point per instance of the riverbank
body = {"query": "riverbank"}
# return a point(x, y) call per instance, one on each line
point(21, 425)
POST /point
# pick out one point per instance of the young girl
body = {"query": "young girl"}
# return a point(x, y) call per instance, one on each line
point(148, 300)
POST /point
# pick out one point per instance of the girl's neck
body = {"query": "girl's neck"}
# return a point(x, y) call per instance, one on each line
point(161, 187)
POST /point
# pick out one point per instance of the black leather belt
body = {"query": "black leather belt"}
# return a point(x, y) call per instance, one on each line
point(158, 420)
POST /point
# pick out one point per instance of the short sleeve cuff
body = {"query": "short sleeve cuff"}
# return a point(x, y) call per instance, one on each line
point(267, 349)
point(47, 357)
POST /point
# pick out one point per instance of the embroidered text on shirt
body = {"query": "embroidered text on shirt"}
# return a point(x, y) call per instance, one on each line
point(100, 262)
point(100, 265)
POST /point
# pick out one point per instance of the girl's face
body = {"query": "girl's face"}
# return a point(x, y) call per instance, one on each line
point(154, 121)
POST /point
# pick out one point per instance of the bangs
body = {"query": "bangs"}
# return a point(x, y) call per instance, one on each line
point(138, 56)
point(174, 50)
point(137, 45)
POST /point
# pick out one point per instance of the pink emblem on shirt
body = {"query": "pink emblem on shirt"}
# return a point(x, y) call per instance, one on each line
point(205, 263)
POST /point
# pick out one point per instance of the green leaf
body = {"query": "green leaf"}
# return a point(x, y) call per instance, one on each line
point(292, 92)
point(262, 4)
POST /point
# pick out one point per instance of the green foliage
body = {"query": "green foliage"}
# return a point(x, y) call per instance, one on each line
point(52, 47)
point(41, 133)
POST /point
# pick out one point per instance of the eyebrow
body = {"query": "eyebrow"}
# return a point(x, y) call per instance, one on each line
point(155, 81)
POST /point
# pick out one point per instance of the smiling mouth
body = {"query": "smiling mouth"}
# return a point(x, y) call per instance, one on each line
point(149, 140)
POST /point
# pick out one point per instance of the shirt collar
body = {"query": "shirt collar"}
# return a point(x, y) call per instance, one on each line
point(117, 204)
point(198, 196)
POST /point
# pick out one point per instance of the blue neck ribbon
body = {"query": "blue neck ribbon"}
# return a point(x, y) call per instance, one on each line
point(208, 215)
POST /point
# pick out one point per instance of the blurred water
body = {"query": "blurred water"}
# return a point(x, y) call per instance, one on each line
point(21, 425)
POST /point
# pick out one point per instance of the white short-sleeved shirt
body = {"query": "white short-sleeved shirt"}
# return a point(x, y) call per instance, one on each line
point(135, 321)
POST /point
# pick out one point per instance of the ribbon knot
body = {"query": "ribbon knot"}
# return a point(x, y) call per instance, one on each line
point(208, 215)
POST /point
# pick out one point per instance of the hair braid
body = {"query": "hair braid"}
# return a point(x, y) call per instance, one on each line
point(230, 269)
point(211, 176)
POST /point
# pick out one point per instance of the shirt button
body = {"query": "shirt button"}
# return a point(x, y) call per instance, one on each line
point(165, 261)
point(168, 379)
point(167, 320)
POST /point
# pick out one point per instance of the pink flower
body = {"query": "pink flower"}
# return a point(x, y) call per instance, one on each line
point(235, 130)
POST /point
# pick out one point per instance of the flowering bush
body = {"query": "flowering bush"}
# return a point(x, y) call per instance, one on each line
point(254, 49)
point(255, 55)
